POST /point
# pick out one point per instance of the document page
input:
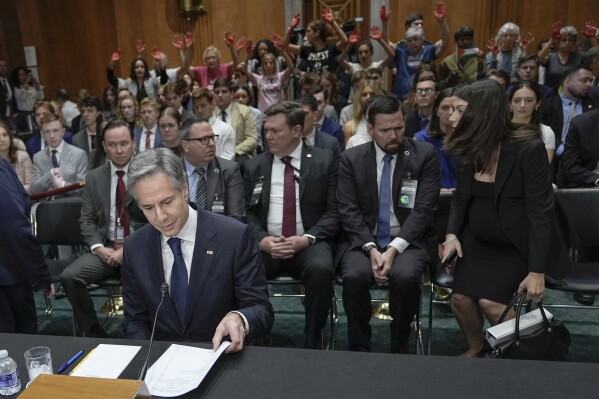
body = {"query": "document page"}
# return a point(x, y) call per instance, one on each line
point(181, 369)
point(106, 361)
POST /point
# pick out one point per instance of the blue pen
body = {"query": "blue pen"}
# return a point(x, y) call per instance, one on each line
point(71, 360)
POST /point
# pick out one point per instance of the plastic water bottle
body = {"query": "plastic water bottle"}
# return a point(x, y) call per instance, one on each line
point(9, 375)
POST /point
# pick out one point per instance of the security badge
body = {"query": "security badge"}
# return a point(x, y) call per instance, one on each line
point(119, 234)
point(218, 205)
point(407, 193)
point(257, 193)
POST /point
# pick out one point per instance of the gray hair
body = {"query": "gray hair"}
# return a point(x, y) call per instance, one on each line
point(188, 123)
point(150, 163)
point(505, 28)
point(414, 32)
point(569, 30)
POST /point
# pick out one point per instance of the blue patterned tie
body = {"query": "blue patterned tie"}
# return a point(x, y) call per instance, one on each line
point(54, 159)
point(201, 188)
point(179, 282)
point(383, 221)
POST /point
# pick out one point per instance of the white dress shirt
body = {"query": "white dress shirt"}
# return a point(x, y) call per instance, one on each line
point(227, 140)
point(142, 139)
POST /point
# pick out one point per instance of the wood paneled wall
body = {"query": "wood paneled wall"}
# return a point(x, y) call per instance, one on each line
point(74, 38)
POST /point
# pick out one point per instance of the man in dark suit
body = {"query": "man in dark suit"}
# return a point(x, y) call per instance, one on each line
point(558, 110)
point(324, 124)
point(291, 207)
point(22, 266)
point(91, 109)
point(147, 137)
point(7, 97)
point(107, 215)
point(388, 190)
point(420, 118)
point(210, 262)
point(311, 135)
point(173, 93)
point(215, 184)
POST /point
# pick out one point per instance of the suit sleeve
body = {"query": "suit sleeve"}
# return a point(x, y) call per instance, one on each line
point(89, 216)
point(422, 217)
point(137, 323)
point(235, 193)
point(20, 252)
point(40, 180)
point(539, 203)
point(576, 169)
point(252, 211)
point(251, 290)
point(350, 213)
point(459, 203)
point(250, 134)
point(327, 226)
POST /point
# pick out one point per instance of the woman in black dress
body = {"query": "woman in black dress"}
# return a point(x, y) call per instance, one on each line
point(501, 222)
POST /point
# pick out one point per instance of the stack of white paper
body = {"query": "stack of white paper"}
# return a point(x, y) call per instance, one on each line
point(529, 322)
point(106, 361)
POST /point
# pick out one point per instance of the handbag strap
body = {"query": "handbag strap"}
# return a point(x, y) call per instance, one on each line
point(518, 313)
point(516, 300)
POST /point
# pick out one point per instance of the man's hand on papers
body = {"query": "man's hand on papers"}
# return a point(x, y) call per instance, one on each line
point(231, 325)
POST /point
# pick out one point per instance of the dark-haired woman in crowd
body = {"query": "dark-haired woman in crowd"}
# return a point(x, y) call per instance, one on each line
point(169, 123)
point(439, 129)
point(318, 55)
point(19, 159)
point(525, 100)
point(139, 82)
point(109, 103)
point(263, 46)
point(501, 222)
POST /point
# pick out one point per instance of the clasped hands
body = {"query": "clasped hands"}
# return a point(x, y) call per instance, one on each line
point(112, 257)
point(283, 247)
point(381, 263)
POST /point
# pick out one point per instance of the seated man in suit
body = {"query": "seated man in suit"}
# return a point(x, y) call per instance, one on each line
point(239, 117)
point(203, 105)
point(419, 119)
point(215, 184)
point(91, 109)
point(173, 94)
point(311, 134)
point(60, 163)
point(210, 262)
point(326, 125)
point(388, 190)
point(291, 206)
point(22, 266)
point(147, 137)
point(36, 143)
point(107, 216)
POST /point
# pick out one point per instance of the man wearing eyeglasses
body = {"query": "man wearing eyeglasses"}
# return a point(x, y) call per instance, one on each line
point(215, 184)
point(419, 119)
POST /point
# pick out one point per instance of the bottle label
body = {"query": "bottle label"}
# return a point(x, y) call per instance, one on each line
point(9, 380)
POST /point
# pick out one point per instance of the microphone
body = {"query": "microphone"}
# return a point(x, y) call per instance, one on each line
point(144, 367)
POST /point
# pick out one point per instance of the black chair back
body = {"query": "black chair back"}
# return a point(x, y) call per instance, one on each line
point(57, 222)
point(580, 207)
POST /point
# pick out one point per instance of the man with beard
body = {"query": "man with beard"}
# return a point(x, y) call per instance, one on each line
point(387, 192)
point(558, 110)
point(462, 66)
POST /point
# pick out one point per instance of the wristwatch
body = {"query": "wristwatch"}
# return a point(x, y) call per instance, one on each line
point(367, 248)
point(311, 240)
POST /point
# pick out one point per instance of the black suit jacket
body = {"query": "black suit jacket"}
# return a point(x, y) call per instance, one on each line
point(358, 200)
point(412, 123)
point(328, 142)
point(224, 180)
point(581, 152)
point(5, 102)
point(551, 113)
point(226, 275)
point(524, 204)
point(317, 186)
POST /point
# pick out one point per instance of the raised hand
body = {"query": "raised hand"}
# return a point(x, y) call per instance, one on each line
point(278, 41)
point(493, 46)
point(440, 11)
point(327, 15)
point(355, 36)
point(384, 14)
point(526, 40)
point(555, 28)
point(590, 29)
point(116, 55)
point(188, 39)
point(375, 33)
point(178, 41)
point(156, 53)
point(295, 21)
point(140, 46)
point(249, 46)
point(229, 38)
point(240, 44)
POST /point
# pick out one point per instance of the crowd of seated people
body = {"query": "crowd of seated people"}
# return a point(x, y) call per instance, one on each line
point(266, 148)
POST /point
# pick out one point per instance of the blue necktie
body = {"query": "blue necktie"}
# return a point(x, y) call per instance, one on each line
point(201, 188)
point(54, 159)
point(383, 221)
point(179, 282)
